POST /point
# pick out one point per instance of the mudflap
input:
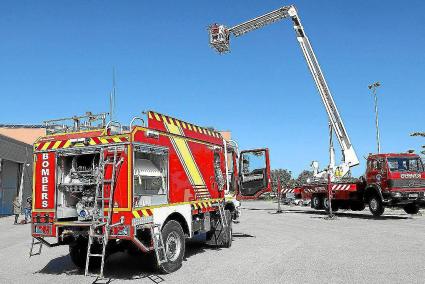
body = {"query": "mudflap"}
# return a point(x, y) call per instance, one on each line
point(219, 234)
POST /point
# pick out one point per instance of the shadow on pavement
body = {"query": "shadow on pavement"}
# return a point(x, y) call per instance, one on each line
point(119, 266)
point(349, 215)
point(60, 265)
point(242, 235)
point(260, 209)
point(123, 266)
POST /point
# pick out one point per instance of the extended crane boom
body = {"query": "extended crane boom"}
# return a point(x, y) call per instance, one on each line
point(220, 40)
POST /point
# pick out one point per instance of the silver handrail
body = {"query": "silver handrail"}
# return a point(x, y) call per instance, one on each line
point(113, 122)
point(136, 118)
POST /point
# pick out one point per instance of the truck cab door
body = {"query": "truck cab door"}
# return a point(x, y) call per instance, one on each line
point(254, 175)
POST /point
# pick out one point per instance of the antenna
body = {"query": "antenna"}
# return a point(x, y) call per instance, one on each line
point(112, 96)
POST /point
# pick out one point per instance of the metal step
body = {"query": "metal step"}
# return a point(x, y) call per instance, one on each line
point(35, 243)
point(158, 244)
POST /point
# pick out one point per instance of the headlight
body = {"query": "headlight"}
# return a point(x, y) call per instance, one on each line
point(396, 194)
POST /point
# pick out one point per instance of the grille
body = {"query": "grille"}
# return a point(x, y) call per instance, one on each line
point(404, 183)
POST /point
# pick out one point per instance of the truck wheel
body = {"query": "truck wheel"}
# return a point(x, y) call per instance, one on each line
point(411, 208)
point(325, 204)
point(78, 254)
point(316, 202)
point(228, 234)
point(376, 206)
point(174, 242)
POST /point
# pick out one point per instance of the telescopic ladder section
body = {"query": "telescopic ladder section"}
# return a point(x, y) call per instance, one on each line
point(349, 155)
point(220, 40)
point(110, 158)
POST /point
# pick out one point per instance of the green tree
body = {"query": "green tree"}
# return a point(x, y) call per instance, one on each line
point(285, 177)
point(303, 177)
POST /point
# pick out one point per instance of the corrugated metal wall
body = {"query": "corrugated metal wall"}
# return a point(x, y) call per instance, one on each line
point(15, 156)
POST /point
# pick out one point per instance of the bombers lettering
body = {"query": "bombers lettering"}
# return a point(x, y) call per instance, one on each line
point(45, 180)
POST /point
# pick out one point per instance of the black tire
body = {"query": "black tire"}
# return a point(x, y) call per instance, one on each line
point(375, 205)
point(228, 235)
point(174, 242)
point(325, 203)
point(78, 254)
point(411, 209)
point(316, 202)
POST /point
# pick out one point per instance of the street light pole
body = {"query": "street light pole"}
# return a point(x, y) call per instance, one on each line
point(373, 88)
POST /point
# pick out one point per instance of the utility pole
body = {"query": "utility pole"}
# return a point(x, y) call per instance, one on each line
point(373, 88)
point(279, 196)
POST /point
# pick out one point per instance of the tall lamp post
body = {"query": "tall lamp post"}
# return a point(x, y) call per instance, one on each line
point(373, 88)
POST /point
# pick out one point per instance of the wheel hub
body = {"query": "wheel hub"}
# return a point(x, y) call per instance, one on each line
point(173, 246)
point(373, 204)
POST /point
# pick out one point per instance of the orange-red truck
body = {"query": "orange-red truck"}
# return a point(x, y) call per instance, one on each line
point(101, 189)
point(391, 180)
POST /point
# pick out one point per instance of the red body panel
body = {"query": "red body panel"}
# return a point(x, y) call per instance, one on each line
point(341, 191)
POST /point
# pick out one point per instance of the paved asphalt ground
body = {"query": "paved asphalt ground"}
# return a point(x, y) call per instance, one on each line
point(297, 246)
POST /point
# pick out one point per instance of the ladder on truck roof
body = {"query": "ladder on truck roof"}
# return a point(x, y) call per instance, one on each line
point(101, 222)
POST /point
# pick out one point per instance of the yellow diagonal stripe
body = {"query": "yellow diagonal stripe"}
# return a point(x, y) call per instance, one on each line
point(150, 115)
point(91, 142)
point(56, 145)
point(45, 145)
point(156, 116)
point(136, 214)
point(116, 139)
point(145, 213)
point(184, 150)
point(67, 144)
point(103, 140)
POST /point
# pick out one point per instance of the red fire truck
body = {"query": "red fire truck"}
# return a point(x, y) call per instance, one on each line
point(391, 180)
point(101, 188)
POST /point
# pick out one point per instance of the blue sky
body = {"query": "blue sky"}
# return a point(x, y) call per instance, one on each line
point(57, 58)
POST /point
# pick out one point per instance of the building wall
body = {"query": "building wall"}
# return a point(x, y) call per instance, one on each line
point(227, 135)
point(9, 186)
point(15, 156)
point(23, 134)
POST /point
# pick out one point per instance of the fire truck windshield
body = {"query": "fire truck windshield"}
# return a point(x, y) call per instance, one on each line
point(405, 164)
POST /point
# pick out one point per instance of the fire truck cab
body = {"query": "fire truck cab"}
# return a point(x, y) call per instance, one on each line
point(101, 189)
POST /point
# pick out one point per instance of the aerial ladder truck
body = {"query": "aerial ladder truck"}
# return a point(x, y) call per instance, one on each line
point(393, 179)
